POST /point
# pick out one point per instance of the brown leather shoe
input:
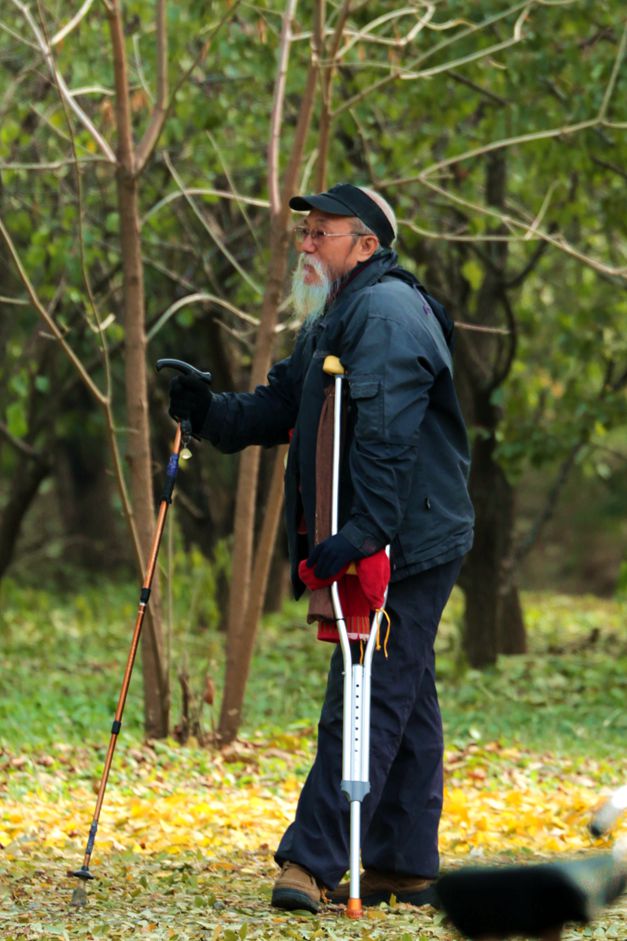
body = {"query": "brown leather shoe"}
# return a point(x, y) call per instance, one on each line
point(377, 886)
point(296, 889)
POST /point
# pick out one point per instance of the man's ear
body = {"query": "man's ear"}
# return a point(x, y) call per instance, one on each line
point(368, 244)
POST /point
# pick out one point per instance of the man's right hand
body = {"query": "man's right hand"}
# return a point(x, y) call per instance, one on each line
point(190, 398)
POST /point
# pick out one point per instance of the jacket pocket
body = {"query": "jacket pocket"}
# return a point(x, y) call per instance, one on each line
point(368, 400)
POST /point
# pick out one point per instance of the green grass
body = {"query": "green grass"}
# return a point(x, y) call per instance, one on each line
point(63, 661)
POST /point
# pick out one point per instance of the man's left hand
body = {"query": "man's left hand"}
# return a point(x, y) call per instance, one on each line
point(331, 555)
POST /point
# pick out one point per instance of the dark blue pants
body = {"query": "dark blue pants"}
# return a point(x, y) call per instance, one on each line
point(401, 814)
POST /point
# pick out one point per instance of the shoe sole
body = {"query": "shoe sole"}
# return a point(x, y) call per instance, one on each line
point(423, 897)
point(293, 901)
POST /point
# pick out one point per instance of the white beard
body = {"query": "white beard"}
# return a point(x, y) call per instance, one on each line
point(309, 300)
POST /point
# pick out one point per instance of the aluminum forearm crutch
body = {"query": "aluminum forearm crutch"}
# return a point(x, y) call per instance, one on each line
point(182, 436)
point(356, 698)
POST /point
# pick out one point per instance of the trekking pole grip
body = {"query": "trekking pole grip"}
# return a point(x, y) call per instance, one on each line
point(188, 370)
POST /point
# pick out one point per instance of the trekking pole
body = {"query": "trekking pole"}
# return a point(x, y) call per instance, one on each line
point(356, 695)
point(181, 440)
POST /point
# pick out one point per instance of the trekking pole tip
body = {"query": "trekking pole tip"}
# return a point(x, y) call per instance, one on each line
point(79, 895)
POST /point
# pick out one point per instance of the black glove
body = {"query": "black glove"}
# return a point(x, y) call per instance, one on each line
point(190, 398)
point(330, 556)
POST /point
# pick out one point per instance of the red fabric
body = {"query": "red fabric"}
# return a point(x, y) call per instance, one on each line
point(359, 594)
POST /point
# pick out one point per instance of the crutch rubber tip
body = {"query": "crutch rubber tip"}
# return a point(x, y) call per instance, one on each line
point(354, 908)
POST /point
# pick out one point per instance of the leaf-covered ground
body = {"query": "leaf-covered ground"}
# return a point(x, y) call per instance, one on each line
point(184, 848)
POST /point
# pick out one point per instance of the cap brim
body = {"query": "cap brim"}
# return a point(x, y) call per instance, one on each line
point(322, 202)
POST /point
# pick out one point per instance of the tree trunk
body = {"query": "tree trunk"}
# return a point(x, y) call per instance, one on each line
point(512, 634)
point(242, 649)
point(84, 485)
point(512, 638)
point(23, 489)
point(248, 590)
point(493, 620)
point(239, 644)
point(156, 687)
point(480, 574)
point(493, 616)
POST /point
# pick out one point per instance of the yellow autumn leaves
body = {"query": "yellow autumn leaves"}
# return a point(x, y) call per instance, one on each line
point(493, 804)
point(513, 820)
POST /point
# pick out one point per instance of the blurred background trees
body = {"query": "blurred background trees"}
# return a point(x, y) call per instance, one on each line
point(147, 152)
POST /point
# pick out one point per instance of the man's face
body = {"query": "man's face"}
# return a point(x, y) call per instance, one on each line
point(324, 260)
point(339, 252)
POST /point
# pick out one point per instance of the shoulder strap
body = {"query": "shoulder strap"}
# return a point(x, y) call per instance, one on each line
point(439, 310)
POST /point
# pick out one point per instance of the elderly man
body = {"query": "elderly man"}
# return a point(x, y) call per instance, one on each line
point(404, 484)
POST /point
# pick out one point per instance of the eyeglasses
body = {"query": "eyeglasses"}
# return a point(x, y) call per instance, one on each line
point(302, 232)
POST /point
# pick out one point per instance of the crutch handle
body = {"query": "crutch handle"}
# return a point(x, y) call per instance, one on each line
point(332, 366)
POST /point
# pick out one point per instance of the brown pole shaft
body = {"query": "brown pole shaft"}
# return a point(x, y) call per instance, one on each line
point(143, 604)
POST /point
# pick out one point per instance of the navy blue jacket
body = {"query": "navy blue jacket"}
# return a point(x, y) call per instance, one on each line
point(405, 470)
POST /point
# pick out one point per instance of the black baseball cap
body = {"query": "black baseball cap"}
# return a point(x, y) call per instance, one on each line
point(344, 199)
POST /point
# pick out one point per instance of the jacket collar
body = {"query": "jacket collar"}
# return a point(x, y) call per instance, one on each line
point(369, 271)
point(365, 273)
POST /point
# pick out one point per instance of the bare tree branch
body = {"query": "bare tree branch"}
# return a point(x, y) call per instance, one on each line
point(608, 385)
point(276, 118)
point(558, 241)
point(21, 446)
point(457, 236)
point(550, 504)
point(302, 127)
point(563, 131)
point(518, 279)
point(507, 348)
point(61, 84)
point(486, 92)
point(546, 134)
point(611, 85)
point(163, 108)
point(199, 297)
point(479, 328)
point(208, 228)
point(160, 109)
point(326, 74)
point(53, 164)
point(204, 191)
point(386, 18)
point(610, 166)
point(409, 71)
point(241, 202)
point(71, 24)
point(45, 316)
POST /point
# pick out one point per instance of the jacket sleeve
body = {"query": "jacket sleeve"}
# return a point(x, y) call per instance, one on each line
point(391, 364)
point(265, 416)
